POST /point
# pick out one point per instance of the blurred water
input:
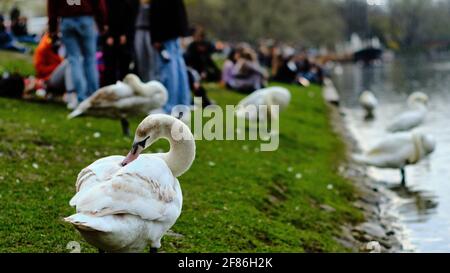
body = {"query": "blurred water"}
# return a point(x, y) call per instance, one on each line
point(423, 208)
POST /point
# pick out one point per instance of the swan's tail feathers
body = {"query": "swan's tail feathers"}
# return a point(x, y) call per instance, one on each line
point(88, 223)
point(76, 113)
point(81, 109)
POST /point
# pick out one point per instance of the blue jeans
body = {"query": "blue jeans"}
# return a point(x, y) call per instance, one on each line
point(173, 76)
point(7, 42)
point(79, 38)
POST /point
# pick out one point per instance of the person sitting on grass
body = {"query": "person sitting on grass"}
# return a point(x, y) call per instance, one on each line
point(7, 41)
point(52, 71)
point(199, 56)
point(245, 74)
point(19, 28)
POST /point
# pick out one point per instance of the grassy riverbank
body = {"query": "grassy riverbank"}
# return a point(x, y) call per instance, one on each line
point(236, 199)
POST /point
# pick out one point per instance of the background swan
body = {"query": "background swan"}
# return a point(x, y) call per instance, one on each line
point(369, 102)
point(413, 118)
point(399, 150)
point(130, 97)
point(124, 204)
point(248, 107)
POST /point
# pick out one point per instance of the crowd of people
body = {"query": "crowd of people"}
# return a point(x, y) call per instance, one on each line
point(97, 43)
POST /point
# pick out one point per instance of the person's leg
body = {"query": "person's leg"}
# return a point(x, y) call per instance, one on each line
point(68, 81)
point(70, 41)
point(55, 83)
point(183, 79)
point(174, 76)
point(88, 44)
point(109, 59)
point(168, 77)
point(124, 60)
point(142, 47)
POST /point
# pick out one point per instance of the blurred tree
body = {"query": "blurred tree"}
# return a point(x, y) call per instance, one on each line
point(305, 22)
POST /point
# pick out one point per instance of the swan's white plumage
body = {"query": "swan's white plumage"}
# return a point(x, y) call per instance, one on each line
point(141, 197)
point(412, 118)
point(124, 209)
point(398, 150)
point(128, 97)
point(248, 107)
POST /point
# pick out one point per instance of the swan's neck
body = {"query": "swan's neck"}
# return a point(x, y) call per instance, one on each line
point(182, 144)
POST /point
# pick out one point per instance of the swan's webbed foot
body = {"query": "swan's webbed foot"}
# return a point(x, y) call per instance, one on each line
point(153, 250)
point(125, 127)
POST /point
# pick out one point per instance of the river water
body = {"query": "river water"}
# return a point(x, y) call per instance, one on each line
point(423, 208)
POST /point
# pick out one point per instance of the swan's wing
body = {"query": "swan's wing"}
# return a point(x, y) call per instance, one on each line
point(98, 172)
point(103, 98)
point(146, 189)
point(407, 121)
point(141, 104)
point(392, 152)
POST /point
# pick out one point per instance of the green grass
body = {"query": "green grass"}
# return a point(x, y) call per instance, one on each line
point(247, 202)
point(16, 63)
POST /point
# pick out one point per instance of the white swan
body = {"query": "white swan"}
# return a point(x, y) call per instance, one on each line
point(124, 98)
point(272, 96)
point(413, 118)
point(399, 150)
point(125, 204)
point(369, 102)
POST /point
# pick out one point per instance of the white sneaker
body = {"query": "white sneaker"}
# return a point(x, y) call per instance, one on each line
point(72, 101)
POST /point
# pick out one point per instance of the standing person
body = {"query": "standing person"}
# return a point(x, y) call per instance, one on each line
point(146, 57)
point(77, 26)
point(117, 45)
point(168, 22)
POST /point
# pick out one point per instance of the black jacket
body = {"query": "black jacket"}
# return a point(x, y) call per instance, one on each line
point(168, 20)
point(121, 16)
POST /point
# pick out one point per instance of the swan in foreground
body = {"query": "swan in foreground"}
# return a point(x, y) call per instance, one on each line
point(124, 204)
point(130, 97)
point(369, 102)
point(413, 118)
point(399, 150)
point(248, 108)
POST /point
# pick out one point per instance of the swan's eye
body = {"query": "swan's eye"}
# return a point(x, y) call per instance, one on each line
point(139, 144)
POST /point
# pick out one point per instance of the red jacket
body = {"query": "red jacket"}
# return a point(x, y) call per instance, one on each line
point(74, 8)
point(45, 60)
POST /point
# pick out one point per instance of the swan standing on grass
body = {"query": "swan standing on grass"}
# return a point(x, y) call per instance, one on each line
point(130, 97)
point(369, 102)
point(413, 118)
point(124, 204)
point(399, 150)
point(248, 108)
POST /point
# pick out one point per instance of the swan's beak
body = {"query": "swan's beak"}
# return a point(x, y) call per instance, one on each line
point(130, 158)
point(132, 155)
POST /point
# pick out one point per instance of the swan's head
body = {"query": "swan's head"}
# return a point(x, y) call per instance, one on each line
point(152, 129)
point(418, 98)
